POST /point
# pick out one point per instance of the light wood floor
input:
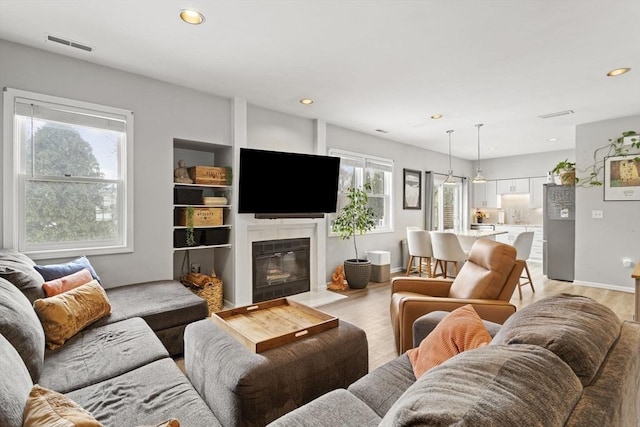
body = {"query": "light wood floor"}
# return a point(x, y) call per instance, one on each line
point(369, 308)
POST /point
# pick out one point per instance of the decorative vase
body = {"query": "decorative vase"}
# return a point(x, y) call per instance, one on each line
point(357, 272)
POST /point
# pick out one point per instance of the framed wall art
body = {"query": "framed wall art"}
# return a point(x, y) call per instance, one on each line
point(412, 189)
point(621, 178)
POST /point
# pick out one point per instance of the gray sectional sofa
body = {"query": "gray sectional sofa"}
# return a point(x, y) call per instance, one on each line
point(118, 369)
point(563, 361)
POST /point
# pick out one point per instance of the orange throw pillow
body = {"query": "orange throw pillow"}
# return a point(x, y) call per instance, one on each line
point(458, 331)
point(66, 283)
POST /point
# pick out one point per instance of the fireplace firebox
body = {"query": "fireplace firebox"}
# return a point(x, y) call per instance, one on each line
point(280, 268)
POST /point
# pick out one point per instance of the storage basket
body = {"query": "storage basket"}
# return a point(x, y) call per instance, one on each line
point(210, 290)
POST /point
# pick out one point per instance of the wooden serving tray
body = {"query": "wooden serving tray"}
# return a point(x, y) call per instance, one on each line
point(270, 324)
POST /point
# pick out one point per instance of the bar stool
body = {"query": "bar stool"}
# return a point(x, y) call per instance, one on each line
point(447, 249)
point(523, 244)
point(419, 243)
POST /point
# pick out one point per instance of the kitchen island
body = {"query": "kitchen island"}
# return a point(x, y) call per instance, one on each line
point(468, 237)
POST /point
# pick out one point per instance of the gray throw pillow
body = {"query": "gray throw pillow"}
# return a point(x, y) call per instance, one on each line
point(498, 385)
point(20, 325)
point(577, 329)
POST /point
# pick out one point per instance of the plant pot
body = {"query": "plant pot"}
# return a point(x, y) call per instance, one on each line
point(568, 178)
point(479, 219)
point(357, 272)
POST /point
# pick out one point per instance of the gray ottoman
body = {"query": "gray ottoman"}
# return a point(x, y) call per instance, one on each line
point(248, 389)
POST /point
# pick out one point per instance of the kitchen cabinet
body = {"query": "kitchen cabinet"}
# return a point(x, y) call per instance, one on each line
point(535, 192)
point(512, 232)
point(513, 186)
point(485, 195)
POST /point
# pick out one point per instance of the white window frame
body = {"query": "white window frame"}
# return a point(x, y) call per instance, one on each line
point(364, 159)
point(13, 195)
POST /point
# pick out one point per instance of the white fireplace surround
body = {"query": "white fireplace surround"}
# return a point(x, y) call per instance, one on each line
point(255, 230)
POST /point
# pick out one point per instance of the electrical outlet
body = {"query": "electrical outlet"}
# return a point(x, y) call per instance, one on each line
point(596, 214)
point(627, 263)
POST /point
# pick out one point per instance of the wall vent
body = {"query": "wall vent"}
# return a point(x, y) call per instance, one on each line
point(559, 113)
point(69, 43)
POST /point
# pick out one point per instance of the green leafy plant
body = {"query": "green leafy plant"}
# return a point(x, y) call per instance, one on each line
point(228, 175)
point(357, 217)
point(191, 240)
point(567, 172)
point(615, 147)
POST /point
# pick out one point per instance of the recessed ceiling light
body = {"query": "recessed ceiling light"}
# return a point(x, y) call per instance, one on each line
point(492, 148)
point(553, 139)
point(191, 16)
point(618, 71)
point(306, 101)
point(436, 116)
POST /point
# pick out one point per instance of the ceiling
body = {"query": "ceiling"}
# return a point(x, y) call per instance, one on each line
point(373, 65)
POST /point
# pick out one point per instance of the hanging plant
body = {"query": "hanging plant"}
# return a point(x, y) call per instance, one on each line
point(191, 240)
point(228, 175)
point(615, 147)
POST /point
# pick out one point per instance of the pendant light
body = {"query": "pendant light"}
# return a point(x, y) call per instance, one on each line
point(479, 178)
point(449, 180)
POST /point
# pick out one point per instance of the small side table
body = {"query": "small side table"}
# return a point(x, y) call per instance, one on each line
point(380, 265)
point(243, 388)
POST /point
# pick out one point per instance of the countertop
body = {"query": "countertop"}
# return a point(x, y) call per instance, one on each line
point(508, 225)
point(476, 234)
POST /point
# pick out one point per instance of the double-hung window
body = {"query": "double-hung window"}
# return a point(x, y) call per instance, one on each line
point(356, 170)
point(68, 176)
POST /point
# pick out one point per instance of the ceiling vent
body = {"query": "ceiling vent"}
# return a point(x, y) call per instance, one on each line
point(69, 43)
point(382, 131)
point(559, 113)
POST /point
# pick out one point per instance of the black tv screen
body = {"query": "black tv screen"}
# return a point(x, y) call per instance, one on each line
point(281, 184)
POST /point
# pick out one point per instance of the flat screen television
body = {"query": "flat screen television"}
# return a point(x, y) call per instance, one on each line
point(277, 184)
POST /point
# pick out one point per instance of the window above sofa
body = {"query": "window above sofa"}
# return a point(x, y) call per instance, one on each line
point(69, 176)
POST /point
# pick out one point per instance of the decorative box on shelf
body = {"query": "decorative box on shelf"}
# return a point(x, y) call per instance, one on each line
point(208, 175)
point(201, 216)
point(187, 196)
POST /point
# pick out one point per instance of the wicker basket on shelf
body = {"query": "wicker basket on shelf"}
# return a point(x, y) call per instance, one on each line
point(206, 287)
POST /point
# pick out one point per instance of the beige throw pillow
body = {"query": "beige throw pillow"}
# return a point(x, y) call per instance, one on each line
point(64, 315)
point(48, 408)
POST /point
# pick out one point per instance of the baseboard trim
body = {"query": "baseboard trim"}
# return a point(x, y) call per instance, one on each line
point(629, 289)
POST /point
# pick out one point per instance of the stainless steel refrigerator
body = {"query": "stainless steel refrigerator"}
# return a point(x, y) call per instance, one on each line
point(559, 231)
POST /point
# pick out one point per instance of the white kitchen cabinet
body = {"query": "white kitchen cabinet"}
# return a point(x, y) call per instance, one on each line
point(536, 246)
point(513, 186)
point(512, 233)
point(485, 195)
point(535, 192)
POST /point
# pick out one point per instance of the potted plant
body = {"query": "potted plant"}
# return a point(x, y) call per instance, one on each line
point(566, 170)
point(357, 217)
point(479, 216)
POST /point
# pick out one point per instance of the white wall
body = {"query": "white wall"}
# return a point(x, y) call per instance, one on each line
point(161, 112)
point(530, 165)
point(601, 244)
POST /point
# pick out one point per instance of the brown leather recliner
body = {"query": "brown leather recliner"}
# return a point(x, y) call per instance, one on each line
point(487, 281)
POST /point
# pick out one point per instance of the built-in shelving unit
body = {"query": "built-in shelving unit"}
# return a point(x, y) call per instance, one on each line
point(210, 257)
